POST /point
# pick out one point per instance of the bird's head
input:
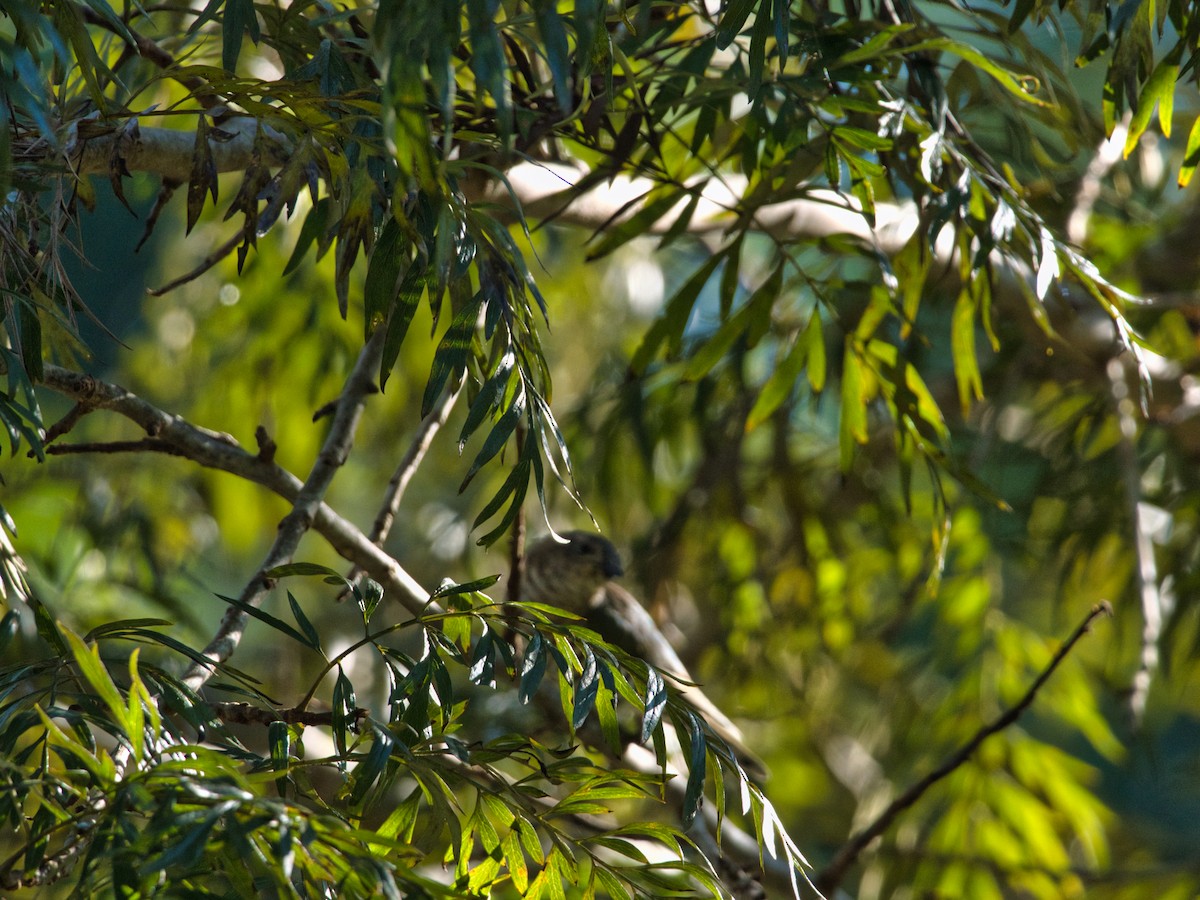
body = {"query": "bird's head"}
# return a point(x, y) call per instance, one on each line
point(569, 572)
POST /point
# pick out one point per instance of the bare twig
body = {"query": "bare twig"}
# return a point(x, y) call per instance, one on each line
point(339, 440)
point(216, 450)
point(66, 423)
point(152, 445)
point(409, 463)
point(207, 263)
point(831, 876)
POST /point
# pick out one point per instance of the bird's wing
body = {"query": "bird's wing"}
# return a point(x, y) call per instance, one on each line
point(618, 617)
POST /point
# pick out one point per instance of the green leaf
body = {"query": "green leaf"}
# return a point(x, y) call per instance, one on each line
point(331, 576)
point(732, 20)
point(554, 43)
point(779, 386)
point(313, 639)
point(314, 225)
point(239, 18)
point(752, 319)
point(450, 590)
point(279, 739)
point(586, 689)
point(533, 668)
point(668, 328)
point(451, 356)
point(962, 348)
point(368, 770)
point(383, 271)
point(483, 663)
point(697, 754)
point(87, 660)
point(657, 204)
point(1159, 91)
point(1191, 155)
point(266, 618)
point(853, 425)
point(487, 59)
point(408, 298)
point(203, 179)
point(497, 438)
point(655, 703)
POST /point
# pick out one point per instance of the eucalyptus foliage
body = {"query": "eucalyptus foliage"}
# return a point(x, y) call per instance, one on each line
point(890, 421)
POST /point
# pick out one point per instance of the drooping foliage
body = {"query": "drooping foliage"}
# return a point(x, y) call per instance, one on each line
point(870, 357)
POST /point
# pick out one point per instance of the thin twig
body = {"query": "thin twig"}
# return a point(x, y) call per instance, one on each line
point(407, 468)
point(340, 438)
point(216, 450)
point(66, 423)
point(831, 876)
point(410, 462)
point(209, 261)
point(152, 445)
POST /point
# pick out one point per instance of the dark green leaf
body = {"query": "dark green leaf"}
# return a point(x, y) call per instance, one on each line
point(313, 639)
point(586, 689)
point(533, 667)
point(697, 754)
point(450, 590)
point(554, 40)
point(368, 770)
point(266, 618)
point(383, 271)
point(451, 356)
point(732, 20)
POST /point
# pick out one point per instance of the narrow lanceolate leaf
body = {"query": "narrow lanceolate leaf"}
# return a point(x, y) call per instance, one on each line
point(697, 754)
point(1159, 91)
point(313, 638)
point(752, 320)
point(490, 396)
point(779, 386)
point(654, 208)
point(496, 438)
point(655, 703)
point(383, 271)
point(487, 59)
point(554, 39)
point(734, 17)
point(408, 298)
point(203, 178)
point(239, 18)
point(585, 690)
point(533, 668)
point(962, 348)
point(451, 356)
point(853, 426)
point(670, 325)
point(87, 659)
point(1191, 155)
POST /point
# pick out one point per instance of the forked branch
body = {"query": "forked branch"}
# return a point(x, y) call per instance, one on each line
point(831, 876)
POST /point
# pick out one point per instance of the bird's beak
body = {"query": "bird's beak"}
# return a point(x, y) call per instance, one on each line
point(612, 565)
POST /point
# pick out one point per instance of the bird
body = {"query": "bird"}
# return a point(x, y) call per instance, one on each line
point(575, 571)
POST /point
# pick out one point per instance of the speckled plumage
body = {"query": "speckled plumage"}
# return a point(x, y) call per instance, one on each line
point(577, 575)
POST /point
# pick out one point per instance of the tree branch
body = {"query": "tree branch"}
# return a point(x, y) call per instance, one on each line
point(215, 450)
point(333, 454)
point(831, 876)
